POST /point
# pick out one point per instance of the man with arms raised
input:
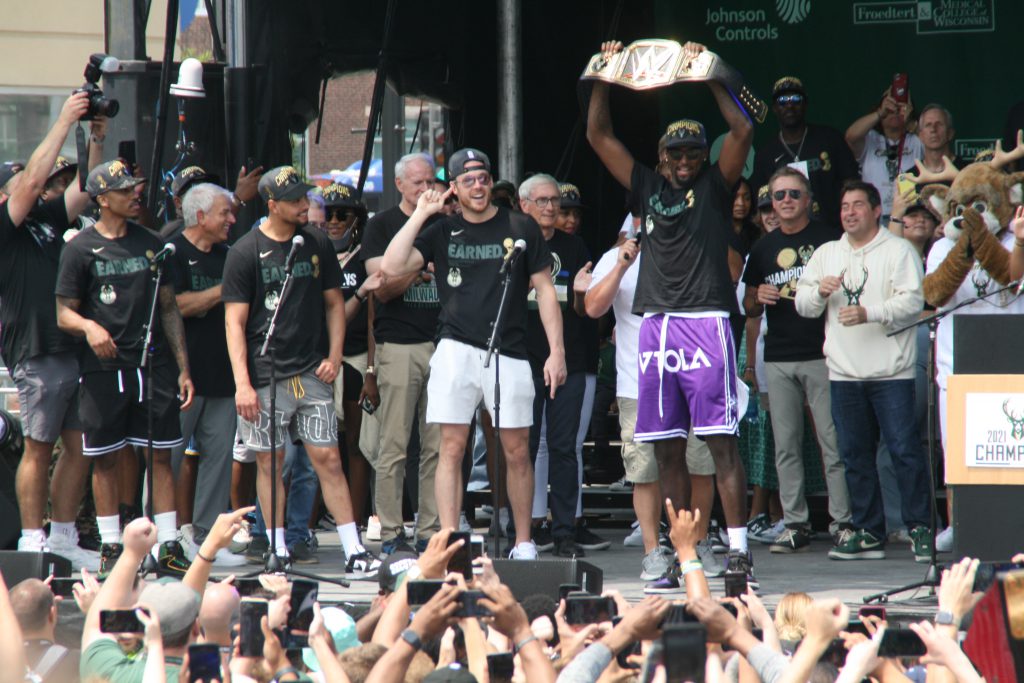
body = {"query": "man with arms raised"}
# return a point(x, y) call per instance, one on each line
point(687, 379)
point(468, 251)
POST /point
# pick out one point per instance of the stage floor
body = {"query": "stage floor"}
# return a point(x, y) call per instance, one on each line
point(811, 572)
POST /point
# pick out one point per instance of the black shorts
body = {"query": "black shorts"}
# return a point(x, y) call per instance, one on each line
point(112, 406)
point(353, 383)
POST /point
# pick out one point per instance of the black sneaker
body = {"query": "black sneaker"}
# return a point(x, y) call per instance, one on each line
point(301, 553)
point(398, 544)
point(362, 565)
point(795, 539)
point(172, 561)
point(109, 554)
point(541, 534)
point(566, 547)
point(259, 546)
point(740, 561)
point(587, 539)
point(669, 582)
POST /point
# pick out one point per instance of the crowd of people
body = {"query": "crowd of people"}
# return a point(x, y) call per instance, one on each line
point(729, 296)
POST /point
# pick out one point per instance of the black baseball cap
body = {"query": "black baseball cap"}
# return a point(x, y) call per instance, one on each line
point(187, 177)
point(392, 568)
point(920, 204)
point(61, 165)
point(686, 133)
point(112, 175)
point(283, 184)
point(477, 160)
point(570, 196)
point(788, 84)
point(338, 195)
point(8, 170)
point(764, 198)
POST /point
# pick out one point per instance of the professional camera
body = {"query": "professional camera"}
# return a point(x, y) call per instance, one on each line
point(99, 104)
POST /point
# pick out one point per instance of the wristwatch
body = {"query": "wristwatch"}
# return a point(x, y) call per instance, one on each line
point(944, 618)
point(413, 638)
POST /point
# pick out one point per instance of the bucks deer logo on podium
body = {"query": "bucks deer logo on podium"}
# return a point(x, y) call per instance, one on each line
point(1016, 418)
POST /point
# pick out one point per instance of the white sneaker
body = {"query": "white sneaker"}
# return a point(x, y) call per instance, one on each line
point(187, 539)
point(655, 564)
point(241, 540)
point(226, 558)
point(373, 528)
point(944, 541)
point(31, 545)
point(464, 523)
point(635, 539)
point(66, 546)
point(524, 551)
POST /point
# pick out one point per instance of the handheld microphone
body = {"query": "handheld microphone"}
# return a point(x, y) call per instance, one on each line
point(161, 255)
point(517, 249)
point(289, 262)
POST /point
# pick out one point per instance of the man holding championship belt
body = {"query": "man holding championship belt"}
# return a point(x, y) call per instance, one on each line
point(687, 364)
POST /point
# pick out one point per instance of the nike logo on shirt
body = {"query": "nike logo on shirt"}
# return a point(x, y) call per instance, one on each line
point(97, 250)
point(192, 263)
point(458, 232)
point(265, 254)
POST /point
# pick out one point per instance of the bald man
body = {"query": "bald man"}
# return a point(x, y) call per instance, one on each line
point(219, 610)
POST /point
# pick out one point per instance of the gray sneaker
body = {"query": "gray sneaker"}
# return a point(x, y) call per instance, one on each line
point(655, 564)
point(712, 567)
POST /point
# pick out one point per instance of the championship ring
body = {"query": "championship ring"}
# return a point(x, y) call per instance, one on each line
point(654, 63)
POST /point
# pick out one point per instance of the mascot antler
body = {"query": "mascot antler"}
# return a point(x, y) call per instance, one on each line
point(1001, 158)
point(924, 176)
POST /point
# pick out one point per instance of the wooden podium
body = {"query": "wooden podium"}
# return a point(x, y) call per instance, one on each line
point(985, 439)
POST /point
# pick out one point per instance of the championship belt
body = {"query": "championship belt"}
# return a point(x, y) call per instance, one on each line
point(995, 640)
point(654, 63)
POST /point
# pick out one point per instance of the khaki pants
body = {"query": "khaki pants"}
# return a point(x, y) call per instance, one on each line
point(789, 385)
point(402, 374)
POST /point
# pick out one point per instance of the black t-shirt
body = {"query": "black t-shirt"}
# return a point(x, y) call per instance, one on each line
point(569, 254)
point(779, 259)
point(412, 317)
point(829, 162)
point(172, 229)
point(253, 275)
point(113, 281)
point(197, 271)
point(29, 255)
point(686, 234)
point(467, 257)
point(353, 274)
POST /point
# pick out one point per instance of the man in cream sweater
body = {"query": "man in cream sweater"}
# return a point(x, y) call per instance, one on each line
point(869, 283)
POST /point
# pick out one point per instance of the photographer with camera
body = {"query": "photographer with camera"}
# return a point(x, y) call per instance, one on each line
point(43, 359)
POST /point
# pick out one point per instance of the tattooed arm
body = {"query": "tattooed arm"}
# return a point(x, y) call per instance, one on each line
point(174, 331)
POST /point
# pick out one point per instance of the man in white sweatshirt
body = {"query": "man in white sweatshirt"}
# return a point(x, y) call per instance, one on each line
point(869, 283)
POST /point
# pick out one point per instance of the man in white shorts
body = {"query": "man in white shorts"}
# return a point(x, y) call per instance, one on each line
point(467, 251)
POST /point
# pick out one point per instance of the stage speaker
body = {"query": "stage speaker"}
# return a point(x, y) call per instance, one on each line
point(529, 577)
point(18, 566)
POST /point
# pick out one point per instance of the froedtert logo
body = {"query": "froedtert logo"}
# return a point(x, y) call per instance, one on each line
point(929, 16)
point(793, 11)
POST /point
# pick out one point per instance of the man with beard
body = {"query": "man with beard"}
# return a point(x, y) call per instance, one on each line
point(103, 294)
point(468, 251)
point(822, 148)
point(687, 380)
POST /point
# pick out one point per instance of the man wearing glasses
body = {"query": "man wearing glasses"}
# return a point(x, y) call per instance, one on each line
point(468, 251)
point(404, 329)
point(829, 162)
point(795, 367)
point(687, 379)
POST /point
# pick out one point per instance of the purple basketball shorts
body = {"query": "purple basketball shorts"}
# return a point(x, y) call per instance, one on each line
point(687, 378)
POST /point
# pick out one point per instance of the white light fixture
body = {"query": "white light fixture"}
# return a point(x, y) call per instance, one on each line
point(190, 80)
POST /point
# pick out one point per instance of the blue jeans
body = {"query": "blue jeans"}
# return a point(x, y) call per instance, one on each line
point(301, 492)
point(861, 412)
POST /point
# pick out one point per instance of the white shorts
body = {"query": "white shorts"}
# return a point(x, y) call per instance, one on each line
point(458, 381)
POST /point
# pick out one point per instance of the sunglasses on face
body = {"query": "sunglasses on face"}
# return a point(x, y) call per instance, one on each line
point(691, 153)
point(340, 214)
point(779, 195)
point(784, 100)
point(469, 181)
point(545, 202)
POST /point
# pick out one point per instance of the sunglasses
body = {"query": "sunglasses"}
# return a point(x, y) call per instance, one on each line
point(340, 214)
point(469, 181)
point(691, 153)
point(783, 100)
point(779, 195)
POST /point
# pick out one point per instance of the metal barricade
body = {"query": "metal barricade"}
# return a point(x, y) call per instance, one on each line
point(8, 393)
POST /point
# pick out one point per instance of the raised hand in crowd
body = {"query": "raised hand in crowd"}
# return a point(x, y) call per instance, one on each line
point(247, 183)
point(685, 531)
point(762, 619)
point(85, 591)
point(824, 619)
point(956, 594)
point(154, 643)
point(943, 650)
point(862, 658)
point(219, 538)
point(322, 643)
point(509, 617)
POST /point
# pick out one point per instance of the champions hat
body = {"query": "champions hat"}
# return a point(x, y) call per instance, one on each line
point(764, 198)
point(112, 175)
point(187, 177)
point(467, 156)
point(176, 606)
point(337, 194)
point(283, 184)
point(788, 84)
point(570, 196)
point(686, 133)
point(392, 568)
point(60, 165)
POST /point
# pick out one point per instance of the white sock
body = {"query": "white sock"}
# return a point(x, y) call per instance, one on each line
point(738, 538)
point(65, 530)
point(37, 535)
point(166, 526)
point(278, 540)
point(349, 535)
point(109, 528)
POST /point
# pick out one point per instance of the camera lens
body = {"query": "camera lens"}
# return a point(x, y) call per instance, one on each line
point(107, 107)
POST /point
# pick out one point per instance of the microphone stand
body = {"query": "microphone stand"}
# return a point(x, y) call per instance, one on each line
point(933, 576)
point(273, 564)
point(493, 349)
point(149, 564)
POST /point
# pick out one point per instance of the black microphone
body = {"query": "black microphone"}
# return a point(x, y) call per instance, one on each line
point(159, 256)
point(289, 262)
point(517, 249)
